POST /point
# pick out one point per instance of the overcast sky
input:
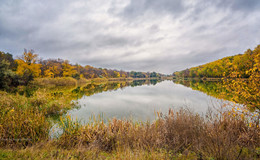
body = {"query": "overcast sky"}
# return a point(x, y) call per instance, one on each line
point(141, 35)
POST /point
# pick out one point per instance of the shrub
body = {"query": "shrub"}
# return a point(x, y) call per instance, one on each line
point(20, 127)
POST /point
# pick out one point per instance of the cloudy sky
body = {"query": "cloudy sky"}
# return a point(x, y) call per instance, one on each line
point(142, 35)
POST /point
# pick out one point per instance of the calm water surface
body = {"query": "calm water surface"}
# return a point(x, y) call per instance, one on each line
point(141, 102)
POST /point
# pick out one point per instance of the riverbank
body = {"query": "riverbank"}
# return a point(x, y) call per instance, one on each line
point(178, 135)
point(181, 134)
point(197, 78)
point(26, 121)
point(69, 81)
point(209, 79)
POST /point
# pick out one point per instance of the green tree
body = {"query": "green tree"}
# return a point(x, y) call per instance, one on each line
point(6, 75)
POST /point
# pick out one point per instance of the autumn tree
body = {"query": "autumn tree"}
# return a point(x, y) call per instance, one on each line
point(241, 73)
point(67, 69)
point(51, 68)
point(247, 91)
point(27, 67)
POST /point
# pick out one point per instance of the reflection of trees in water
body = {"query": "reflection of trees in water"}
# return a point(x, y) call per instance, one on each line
point(154, 81)
point(217, 89)
point(87, 90)
point(144, 82)
point(93, 88)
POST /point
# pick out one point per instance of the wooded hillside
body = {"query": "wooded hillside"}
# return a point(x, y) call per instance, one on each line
point(238, 66)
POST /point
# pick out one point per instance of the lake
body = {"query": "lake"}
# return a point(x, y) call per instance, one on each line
point(140, 100)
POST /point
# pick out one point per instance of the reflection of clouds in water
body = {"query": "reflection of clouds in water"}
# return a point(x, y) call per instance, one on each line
point(141, 102)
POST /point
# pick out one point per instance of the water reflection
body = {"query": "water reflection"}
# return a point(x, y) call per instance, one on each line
point(94, 88)
point(220, 90)
point(138, 100)
point(211, 88)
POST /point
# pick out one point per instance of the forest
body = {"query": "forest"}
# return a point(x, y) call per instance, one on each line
point(240, 76)
point(237, 66)
point(21, 71)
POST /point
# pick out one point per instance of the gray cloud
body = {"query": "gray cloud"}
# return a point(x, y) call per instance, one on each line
point(240, 5)
point(140, 7)
point(142, 35)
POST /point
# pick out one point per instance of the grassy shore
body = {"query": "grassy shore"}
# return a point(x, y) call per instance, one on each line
point(178, 135)
point(181, 134)
point(69, 81)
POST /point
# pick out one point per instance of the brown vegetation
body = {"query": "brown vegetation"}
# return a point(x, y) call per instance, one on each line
point(62, 81)
point(226, 135)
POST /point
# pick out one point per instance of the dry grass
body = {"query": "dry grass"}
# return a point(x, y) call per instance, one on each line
point(63, 81)
point(23, 120)
point(219, 136)
point(50, 152)
point(99, 80)
point(20, 125)
point(83, 81)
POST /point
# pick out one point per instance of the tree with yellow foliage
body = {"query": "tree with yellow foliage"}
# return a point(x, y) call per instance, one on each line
point(27, 67)
point(240, 72)
point(68, 70)
point(247, 90)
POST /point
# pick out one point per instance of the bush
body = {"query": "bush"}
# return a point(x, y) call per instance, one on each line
point(21, 125)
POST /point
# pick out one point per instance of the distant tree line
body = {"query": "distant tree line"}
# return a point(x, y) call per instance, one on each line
point(21, 71)
point(238, 66)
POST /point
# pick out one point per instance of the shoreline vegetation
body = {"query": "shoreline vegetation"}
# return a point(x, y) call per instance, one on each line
point(28, 67)
point(28, 108)
point(181, 134)
point(240, 75)
point(69, 81)
point(25, 126)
